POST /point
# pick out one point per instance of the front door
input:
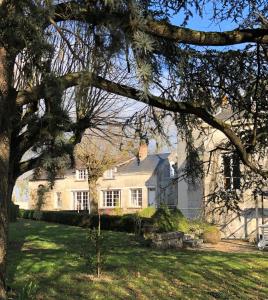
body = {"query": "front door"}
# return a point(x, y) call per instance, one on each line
point(151, 197)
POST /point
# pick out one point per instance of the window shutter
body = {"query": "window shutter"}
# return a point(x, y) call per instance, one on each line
point(227, 166)
point(227, 171)
point(236, 166)
point(236, 171)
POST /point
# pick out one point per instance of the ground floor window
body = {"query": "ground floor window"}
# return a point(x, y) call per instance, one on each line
point(81, 200)
point(58, 200)
point(136, 198)
point(111, 198)
point(152, 196)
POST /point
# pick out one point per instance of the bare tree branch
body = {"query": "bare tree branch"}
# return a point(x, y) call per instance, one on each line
point(74, 79)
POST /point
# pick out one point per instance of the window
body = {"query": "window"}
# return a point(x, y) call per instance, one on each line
point(81, 174)
point(232, 172)
point(81, 200)
point(172, 167)
point(108, 174)
point(111, 198)
point(58, 200)
point(136, 198)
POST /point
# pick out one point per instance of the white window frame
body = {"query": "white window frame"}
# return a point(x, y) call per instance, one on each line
point(172, 171)
point(57, 198)
point(231, 166)
point(105, 197)
point(108, 174)
point(80, 196)
point(151, 189)
point(81, 174)
point(134, 192)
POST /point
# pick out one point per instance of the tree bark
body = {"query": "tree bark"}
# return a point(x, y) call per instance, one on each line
point(7, 106)
point(5, 198)
point(161, 29)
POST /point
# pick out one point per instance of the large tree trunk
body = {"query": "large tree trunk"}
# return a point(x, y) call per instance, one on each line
point(5, 198)
point(7, 106)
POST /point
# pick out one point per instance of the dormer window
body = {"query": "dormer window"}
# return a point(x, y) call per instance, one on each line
point(108, 174)
point(81, 174)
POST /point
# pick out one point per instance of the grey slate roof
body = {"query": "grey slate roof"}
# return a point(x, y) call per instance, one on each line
point(148, 165)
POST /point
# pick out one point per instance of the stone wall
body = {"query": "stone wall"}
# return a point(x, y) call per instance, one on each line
point(167, 240)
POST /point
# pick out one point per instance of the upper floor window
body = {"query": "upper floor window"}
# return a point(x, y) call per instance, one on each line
point(136, 198)
point(81, 174)
point(172, 167)
point(232, 173)
point(108, 174)
point(111, 198)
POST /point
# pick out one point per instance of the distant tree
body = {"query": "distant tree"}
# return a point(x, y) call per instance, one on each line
point(97, 155)
point(56, 56)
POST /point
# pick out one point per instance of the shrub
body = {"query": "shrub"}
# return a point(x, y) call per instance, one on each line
point(26, 213)
point(211, 234)
point(147, 212)
point(13, 212)
point(197, 227)
point(166, 220)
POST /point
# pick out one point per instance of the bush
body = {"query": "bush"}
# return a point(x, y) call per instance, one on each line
point(125, 223)
point(26, 213)
point(197, 227)
point(211, 235)
point(166, 220)
point(147, 212)
point(13, 212)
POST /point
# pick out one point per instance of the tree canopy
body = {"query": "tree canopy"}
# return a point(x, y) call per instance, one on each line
point(66, 66)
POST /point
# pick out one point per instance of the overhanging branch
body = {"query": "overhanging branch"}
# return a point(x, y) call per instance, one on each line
point(74, 79)
point(162, 29)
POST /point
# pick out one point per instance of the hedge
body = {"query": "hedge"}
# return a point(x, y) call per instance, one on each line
point(125, 223)
point(13, 212)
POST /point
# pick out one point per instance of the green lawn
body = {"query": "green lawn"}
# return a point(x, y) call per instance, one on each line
point(49, 256)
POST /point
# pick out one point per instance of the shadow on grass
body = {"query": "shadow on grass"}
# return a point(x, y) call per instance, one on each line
point(50, 255)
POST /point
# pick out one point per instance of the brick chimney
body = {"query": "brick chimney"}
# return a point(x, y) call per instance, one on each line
point(143, 151)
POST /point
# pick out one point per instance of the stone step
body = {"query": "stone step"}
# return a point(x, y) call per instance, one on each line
point(193, 243)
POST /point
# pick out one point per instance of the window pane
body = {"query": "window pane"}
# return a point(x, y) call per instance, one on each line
point(140, 197)
point(232, 171)
point(236, 182)
point(59, 201)
point(108, 173)
point(82, 174)
point(226, 165)
point(78, 200)
point(236, 166)
point(136, 198)
point(111, 198)
point(85, 200)
point(115, 198)
point(227, 183)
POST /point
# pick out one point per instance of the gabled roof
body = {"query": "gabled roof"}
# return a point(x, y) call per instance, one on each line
point(131, 166)
point(147, 165)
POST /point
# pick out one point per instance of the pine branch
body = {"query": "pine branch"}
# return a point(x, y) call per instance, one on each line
point(74, 79)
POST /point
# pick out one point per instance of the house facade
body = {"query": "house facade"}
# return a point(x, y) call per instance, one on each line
point(130, 186)
point(222, 186)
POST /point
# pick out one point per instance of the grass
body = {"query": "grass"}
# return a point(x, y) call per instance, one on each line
point(49, 255)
